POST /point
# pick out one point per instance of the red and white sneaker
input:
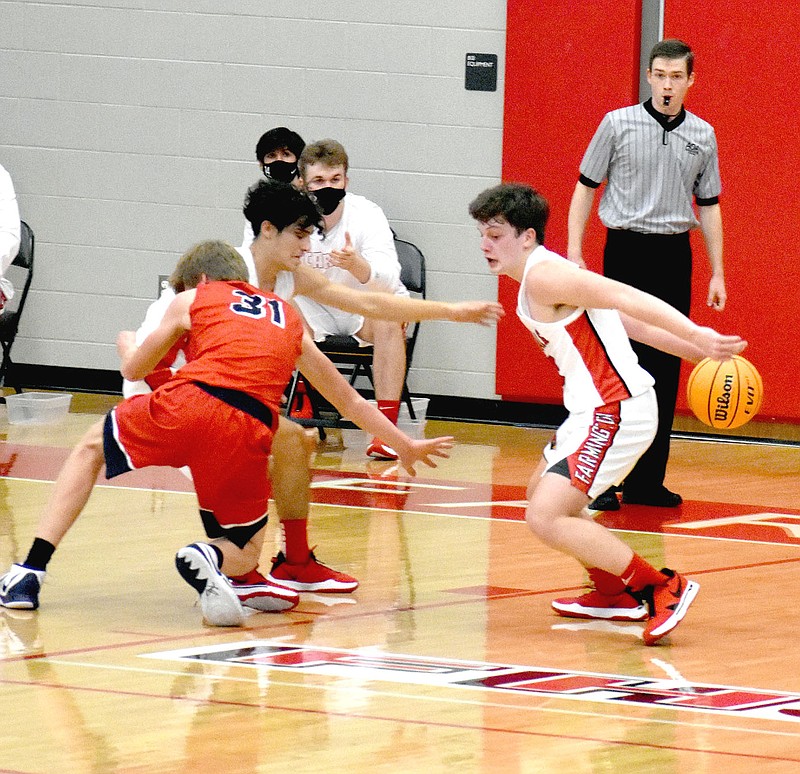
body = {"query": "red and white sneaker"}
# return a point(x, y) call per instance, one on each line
point(617, 607)
point(311, 576)
point(258, 592)
point(668, 605)
point(380, 451)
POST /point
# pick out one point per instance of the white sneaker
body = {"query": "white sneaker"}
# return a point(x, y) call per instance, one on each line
point(197, 565)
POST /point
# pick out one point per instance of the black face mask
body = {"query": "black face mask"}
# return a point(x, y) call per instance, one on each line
point(328, 199)
point(285, 171)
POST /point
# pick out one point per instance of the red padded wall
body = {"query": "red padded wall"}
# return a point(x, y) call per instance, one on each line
point(745, 87)
point(564, 70)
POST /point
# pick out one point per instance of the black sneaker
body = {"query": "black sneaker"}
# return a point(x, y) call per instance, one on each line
point(607, 501)
point(659, 497)
point(19, 587)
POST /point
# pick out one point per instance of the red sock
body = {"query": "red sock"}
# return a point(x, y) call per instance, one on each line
point(254, 576)
point(640, 573)
point(295, 537)
point(390, 409)
point(605, 582)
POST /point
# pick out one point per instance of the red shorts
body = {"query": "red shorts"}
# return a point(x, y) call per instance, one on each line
point(226, 448)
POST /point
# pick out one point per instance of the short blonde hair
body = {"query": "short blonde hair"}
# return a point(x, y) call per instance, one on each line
point(329, 153)
point(217, 260)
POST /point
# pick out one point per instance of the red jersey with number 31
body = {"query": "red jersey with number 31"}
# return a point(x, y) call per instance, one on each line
point(242, 338)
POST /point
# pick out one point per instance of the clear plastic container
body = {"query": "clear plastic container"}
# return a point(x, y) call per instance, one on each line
point(37, 408)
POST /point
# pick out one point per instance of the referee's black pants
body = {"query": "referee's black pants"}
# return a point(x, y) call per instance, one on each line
point(660, 264)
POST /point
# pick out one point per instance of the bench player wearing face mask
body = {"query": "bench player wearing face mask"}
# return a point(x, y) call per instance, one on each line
point(277, 153)
point(356, 249)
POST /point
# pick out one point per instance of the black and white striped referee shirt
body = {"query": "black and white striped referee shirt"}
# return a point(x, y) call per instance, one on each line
point(653, 167)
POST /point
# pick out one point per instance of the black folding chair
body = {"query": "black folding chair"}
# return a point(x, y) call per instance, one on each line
point(354, 360)
point(20, 273)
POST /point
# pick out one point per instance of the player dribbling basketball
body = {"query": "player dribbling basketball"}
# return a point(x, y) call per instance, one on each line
point(582, 320)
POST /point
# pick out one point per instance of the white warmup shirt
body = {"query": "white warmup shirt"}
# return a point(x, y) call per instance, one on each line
point(371, 237)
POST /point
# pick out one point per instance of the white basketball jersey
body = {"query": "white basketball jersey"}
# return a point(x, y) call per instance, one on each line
point(284, 280)
point(590, 349)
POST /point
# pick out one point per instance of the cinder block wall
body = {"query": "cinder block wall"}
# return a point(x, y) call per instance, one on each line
point(130, 129)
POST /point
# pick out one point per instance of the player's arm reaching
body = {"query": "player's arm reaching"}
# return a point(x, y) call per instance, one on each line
point(388, 306)
point(554, 284)
point(322, 373)
point(171, 361)
point(138, 361)
point(658, 338)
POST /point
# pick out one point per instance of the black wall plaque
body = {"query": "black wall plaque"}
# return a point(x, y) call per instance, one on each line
point(481, 72)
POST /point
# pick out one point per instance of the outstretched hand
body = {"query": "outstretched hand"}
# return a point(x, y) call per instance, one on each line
point(719, 346)
point(481, 312)
point(423, 451)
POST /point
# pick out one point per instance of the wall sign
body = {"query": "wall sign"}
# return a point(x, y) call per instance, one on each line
point(481, 72)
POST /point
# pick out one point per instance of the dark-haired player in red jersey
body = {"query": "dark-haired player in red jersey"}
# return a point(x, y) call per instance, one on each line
point(217, 416)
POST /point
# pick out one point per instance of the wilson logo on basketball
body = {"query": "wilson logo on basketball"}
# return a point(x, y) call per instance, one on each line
point(724, 400)
point(725, 395)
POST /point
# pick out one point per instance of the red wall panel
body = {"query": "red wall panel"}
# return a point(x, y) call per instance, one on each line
point(745, 87)
point(568, 65)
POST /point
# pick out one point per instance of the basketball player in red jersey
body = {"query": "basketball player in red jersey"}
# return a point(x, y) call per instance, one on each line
point(582, 321)
point(217, 415)
point(274, 263)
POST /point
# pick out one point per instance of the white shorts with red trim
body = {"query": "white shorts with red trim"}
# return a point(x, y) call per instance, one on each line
point(597, 449)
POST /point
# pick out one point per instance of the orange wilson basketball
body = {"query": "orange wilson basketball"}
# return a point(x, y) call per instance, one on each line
point(725, 395)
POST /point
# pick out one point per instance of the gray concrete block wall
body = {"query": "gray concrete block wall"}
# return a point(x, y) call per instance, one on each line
point(129, 130)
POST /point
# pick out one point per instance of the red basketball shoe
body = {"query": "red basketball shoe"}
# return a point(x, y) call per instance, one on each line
point(380, 451)
point(617, 607)
point(259, 593)
point(668, 605)
point(311, 576)
point(301, 407)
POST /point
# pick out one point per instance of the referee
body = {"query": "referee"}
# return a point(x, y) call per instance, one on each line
point(654, 158)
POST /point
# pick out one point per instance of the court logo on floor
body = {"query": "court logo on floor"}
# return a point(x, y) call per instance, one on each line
point(371, 664)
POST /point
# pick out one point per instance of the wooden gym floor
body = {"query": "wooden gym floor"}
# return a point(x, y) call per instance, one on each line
point(447, 658)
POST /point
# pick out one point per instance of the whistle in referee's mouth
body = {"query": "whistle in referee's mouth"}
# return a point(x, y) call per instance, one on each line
point(667, 100)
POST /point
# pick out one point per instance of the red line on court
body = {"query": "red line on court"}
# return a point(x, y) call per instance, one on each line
point(449, 497)
point(406, 721)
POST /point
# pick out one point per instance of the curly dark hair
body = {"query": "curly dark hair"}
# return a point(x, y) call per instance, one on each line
point(280, 204)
